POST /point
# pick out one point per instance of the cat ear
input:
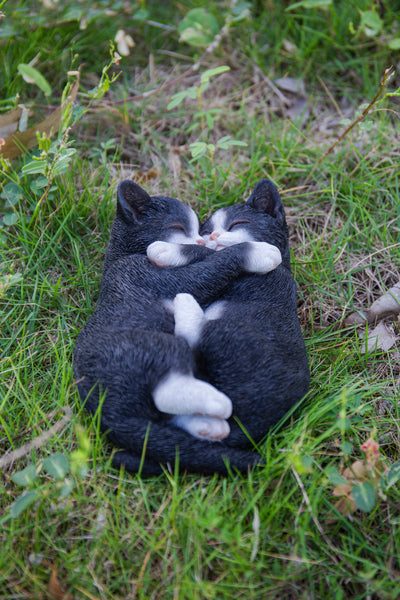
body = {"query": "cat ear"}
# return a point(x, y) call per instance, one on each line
point(265, 197)
point(132, 200)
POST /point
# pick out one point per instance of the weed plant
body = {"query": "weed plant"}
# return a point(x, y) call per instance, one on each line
point(73, 527)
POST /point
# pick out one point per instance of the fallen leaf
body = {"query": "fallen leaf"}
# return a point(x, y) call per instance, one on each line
point(291, 84)
point(381, 337)
point(17, 143)
point(152, 174)
point(55, 589)
point(174, 162)
point(9, 122)
point(385, 305)
point(300, 111)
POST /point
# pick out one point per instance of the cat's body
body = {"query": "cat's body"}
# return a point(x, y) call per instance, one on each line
point(249, 344)
point(152, 366)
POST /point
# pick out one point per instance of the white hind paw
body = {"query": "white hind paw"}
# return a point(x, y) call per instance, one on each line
point(180, 394)
point(166, 254)
point(189, 318)
point(203, 428)
point(262, 258)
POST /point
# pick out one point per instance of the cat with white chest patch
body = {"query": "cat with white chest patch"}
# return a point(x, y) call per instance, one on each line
point(178, 343)
point(248, 344)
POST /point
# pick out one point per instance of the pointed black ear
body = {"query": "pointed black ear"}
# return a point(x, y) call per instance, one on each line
point(265, 197)
point(132, 200)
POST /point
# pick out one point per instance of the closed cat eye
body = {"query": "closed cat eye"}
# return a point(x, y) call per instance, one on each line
point(238, 222)
point(177, 226)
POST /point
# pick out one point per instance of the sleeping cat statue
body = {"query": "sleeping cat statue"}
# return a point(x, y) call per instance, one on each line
point(194, 349)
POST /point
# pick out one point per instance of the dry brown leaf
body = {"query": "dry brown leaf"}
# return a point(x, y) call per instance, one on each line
point(16, 144)
point(174, 162)
point(345, 505)
point(388, 304)
point(381, 337)
point(9, 122)
point(291, 84)
point(55, 589)
point(152, 174)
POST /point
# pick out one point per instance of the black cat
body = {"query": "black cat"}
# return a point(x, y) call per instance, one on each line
point(134, 352)
point(249, 343)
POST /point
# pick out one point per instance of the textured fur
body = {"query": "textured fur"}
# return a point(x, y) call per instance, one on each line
point(250, 354)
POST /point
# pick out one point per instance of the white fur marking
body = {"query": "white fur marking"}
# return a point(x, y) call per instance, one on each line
point(166, 254)
point(189, 318)
point(180, 394)
point(262, 258)
point(204, 428)
point(215, 310)
point(221, 238)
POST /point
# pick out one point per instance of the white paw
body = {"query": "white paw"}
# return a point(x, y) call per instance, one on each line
point(215, 310)
point(166, 254)
point(189, 318)
point(262, 258)
point(204, 428)
point(180, 394)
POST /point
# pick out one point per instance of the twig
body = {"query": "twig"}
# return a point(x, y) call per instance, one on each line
point(388, 74)
point(14, 455)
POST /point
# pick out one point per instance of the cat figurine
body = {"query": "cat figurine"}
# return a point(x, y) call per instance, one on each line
point(248, 344)
point(131, 364)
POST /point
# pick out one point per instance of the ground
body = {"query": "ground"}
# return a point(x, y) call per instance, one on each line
point(72, 527)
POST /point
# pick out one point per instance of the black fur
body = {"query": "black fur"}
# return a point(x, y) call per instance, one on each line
point(255, 353)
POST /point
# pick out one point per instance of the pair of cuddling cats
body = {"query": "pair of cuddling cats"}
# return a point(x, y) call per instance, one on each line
point(195, 346)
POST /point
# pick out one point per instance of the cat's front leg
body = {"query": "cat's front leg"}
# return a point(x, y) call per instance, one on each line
point(170, 254)
point(261, 257)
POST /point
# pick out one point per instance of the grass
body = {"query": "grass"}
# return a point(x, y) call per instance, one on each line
point(93, 532)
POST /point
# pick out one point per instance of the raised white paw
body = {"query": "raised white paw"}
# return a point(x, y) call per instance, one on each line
point(189, 318)
point(262, 257)
point(203, 428)
point(166, 254)
point(180, 394)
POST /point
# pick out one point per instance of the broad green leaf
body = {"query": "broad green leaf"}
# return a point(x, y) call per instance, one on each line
point(241, 10)
point(179, 98)
point(34, 166)
point(198, 149)
point(346, 447)
point(198, 28)
point(394, 44)
point(67, 488)
point(311, 4)
point(56, 465)
point(32, 75)
point(392, 476)
point(22, 503)
point(206, 76)
point(371, 23)
point(38, 184)
point(12, 192)
point(141, 15)
point(10, 219)
point(364, 496)
point(334, 476)
point(63, 161)
point(25, 477)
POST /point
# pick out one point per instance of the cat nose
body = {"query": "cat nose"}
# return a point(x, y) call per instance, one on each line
point(215, 235)
point(200, 242)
